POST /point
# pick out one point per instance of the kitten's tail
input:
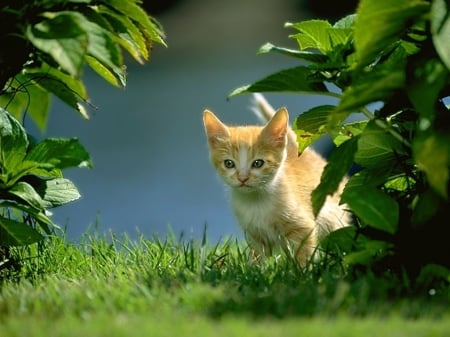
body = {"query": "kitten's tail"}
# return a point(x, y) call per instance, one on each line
point(264, 111)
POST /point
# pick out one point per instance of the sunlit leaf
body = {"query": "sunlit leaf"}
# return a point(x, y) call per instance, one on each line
point(137, 14)
point(56, 192)
point(130, 37)
point(299, 79)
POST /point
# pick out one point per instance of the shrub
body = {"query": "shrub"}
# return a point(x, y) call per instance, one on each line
point(45, 47)
point(388, 63)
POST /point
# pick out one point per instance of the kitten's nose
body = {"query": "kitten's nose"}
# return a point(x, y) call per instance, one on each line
point(242, 178)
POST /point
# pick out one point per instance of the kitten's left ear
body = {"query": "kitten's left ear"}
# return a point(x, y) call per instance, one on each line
point(276, 129)
point(215, 130)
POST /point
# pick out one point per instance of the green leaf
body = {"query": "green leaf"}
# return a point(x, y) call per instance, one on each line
point(380, 23)
point(130, 37)
point(27, 193)
point(378, 149)
point(60, 153)
point(319, 34)
point(313, 34)
point(56, 192)
point(62, 37)
point(137, 14)
point(310, 125)
point(300, 54)
point(432, 154)
point(15, 233)
point(339, 163)
point(374, 207)
point(104, 49)
point(13, 145)
point(299, 79)
point(103, 71)
point(440, 29)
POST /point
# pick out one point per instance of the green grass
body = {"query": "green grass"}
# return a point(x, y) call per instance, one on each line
point(120, 287)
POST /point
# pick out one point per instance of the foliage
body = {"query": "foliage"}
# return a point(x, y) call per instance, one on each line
point(45, 47)
point(388, 64)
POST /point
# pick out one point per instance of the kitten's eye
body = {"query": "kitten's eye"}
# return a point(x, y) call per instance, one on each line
point(228, 163)
point(258, 163)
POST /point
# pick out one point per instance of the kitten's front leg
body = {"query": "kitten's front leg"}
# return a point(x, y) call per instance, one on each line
point(258, 246)
point(300, 243)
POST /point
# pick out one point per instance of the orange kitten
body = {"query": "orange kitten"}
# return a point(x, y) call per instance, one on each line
point(271, 184)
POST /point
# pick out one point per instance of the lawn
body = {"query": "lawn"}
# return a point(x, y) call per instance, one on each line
point(121, 287)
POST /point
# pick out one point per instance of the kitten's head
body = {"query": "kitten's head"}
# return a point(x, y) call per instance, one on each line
point(247, 158)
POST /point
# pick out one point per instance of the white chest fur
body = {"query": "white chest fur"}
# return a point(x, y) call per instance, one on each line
point(257, 215)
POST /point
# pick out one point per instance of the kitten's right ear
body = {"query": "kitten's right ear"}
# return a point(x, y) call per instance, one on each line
point(215, 130)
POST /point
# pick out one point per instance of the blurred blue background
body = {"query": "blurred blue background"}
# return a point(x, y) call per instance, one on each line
point(151, 168)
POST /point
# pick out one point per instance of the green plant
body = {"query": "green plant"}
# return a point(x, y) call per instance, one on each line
point(45, 47)
point(390, 64)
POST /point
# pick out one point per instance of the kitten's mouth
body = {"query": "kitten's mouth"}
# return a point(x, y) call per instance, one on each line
point(245, 187)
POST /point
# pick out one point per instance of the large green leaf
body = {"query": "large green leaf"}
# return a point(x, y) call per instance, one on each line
point(63, 37)
point(338, 166)
point(56, 192)
point(310, 125)
point(380, 23)
point(374, 207)
point(60, 153)
point(13, 145)
point(15, 233)
point(299, 79)
point(378, 149)
point(440, 29)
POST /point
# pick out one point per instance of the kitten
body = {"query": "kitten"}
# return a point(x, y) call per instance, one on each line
point(271, 183)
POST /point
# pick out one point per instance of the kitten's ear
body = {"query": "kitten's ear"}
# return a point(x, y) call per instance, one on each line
point(215, 130)
point(276, 129)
